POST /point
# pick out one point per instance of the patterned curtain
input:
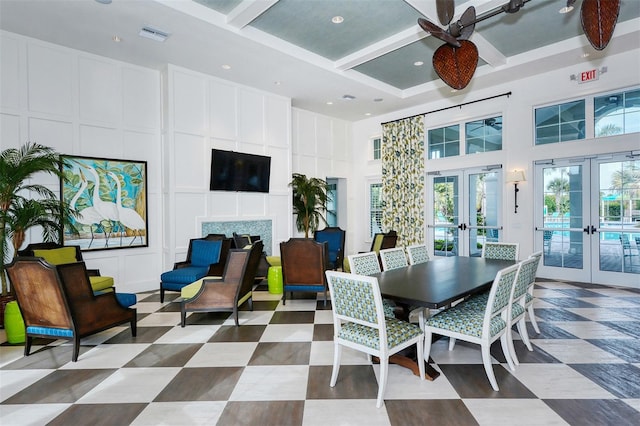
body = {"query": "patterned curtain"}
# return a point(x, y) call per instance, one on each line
point(403, 179)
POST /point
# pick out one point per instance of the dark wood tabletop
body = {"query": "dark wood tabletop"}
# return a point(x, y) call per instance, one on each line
point(440, 281)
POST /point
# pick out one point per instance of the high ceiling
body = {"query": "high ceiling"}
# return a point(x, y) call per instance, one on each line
point(292, 48)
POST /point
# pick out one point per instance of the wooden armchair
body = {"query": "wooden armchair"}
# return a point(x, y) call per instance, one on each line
point(58, 302)
point(57, 254)
point(229, 292)
point(206, 256)
point(304, 262)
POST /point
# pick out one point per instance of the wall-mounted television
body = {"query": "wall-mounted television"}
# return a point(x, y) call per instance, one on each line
point(237, 171)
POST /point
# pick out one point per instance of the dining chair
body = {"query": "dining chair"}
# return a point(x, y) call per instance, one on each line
point(465, 321)
point(500, 251)
point(368, 264)
point(359, 323)
point(417, 253)
point(393, 258)
point(529, 298)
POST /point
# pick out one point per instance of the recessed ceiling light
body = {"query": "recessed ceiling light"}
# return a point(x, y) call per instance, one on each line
point(116, 39)
point(104, 1)
point(454, 90)
point(585, 55)
point(367, 114)
point(277, 83)
point(566, 9)
point(226, 67)
point(418, 63)
point(377, 100)
point(337, 19)
point(348, 97)
point(329, 103)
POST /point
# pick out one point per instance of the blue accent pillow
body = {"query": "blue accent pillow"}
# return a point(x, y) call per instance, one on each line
point(204, 253)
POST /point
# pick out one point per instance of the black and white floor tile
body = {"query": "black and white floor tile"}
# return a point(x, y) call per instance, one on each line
point(274, 370)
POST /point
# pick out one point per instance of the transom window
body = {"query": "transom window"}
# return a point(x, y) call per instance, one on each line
point(376, 147)
point(617, 113)
point(483, 135)
point(375, 208)
point(444, 142)
point(560, 123)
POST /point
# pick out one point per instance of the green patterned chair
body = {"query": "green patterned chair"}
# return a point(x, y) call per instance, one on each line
point(367, 264)
point(417, 254)
point(393, 258)
point(500, 251)
point(359, 323)
point(465, 321)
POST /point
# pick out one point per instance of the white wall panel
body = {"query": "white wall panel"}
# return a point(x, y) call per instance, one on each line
point(139, 270)
point(141, 98)
point(306, 165)
point(223, 110)
point(277, 122)
point(143, 147)
point(9, 72)
point(252, 204)
point(50, 73)
point(10, 136)
point(99, 91)
point(53, 133)
point(250, 117)
point(325, 168)
point(340, 140)
point(189, 105)
point(304, 136)
point(188, 206)
point(191, 164)
point(223, 204)
point(100, 142)
point(280, 174)
point(324, 137)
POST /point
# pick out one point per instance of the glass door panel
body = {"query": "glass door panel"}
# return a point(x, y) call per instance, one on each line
point(483, 201)
point(446, 218)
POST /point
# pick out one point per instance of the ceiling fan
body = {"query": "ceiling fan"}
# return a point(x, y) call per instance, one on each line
point(455, 61)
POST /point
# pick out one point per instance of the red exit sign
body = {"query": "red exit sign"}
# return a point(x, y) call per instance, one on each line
point(586, 76)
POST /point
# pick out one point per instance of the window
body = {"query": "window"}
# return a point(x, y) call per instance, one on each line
point(375, 208)
point(617, 113)
point(560, 123)
point(444, 142)
point(376, 144)
point(332, 203)
point(484, 135)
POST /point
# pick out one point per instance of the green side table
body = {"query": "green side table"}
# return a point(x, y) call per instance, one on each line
point(13, 323)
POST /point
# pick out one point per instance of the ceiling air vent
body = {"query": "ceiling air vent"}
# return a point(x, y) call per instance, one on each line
point(153, 34)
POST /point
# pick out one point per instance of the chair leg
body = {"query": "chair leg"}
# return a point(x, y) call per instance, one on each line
point(428, 337)
point(524, 334)
point(384, 371)
point(337, 353)
point(532, 318)
point(506, 342)
point(235, 315)
point(251, 302)
point(27, 345)
point(452, 343)
point(134, 326)
point(488, 368)
point(420, 357)
point(183, 318)
point(512, 349)
point(76, 348)
point(284, 297)
point(161, 294)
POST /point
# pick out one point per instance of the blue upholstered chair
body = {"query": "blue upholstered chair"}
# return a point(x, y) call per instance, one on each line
point(58, 302)
point(203, 259)
point(359, 323)
point(334, 238)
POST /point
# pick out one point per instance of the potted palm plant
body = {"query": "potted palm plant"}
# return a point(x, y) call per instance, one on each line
point(310, 196)
point(24, 204)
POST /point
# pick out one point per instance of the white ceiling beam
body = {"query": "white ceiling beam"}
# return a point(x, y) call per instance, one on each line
point(243, 14)
point(488, 51)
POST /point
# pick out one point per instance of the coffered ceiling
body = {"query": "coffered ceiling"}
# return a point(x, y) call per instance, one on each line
point(292, 47)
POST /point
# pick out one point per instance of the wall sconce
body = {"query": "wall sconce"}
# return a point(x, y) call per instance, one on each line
point(516, 177)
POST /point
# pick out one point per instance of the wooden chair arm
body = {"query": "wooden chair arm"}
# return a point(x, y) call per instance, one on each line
point(216, 269)
point(93, 272)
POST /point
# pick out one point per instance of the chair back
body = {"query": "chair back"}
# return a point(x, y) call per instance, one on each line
point(53, 253)
point(526, 276)
point(334, 237)
point(241, 241)
point(303, 261)
point(357, 299)
point(364, 263)
point(393, 258)
point(500, 251)
point(499, 297)
point(417, 254)
point(204, 252)
point(40, 293)
point(250, 269)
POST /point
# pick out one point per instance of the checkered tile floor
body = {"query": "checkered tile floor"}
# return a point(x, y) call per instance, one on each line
point(274, 370)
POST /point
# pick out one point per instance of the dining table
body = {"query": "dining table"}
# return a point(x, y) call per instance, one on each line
point(436, 284)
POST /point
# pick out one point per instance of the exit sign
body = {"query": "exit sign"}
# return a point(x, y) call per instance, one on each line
point(587, 76)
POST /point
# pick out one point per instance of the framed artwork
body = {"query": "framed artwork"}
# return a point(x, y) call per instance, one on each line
point(110, 197)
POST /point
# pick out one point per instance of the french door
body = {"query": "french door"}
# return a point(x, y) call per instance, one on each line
point(465, 210)
point(587, 217)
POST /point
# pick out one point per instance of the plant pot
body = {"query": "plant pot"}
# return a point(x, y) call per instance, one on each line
point(13, 323)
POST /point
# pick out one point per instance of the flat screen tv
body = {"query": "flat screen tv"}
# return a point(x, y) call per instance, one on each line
point(237, 171)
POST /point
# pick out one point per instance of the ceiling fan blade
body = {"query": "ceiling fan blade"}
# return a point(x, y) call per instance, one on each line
point(463, 27)
point(456, 65)
point(599, 19)
point(438, 32)
point(445, 9)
